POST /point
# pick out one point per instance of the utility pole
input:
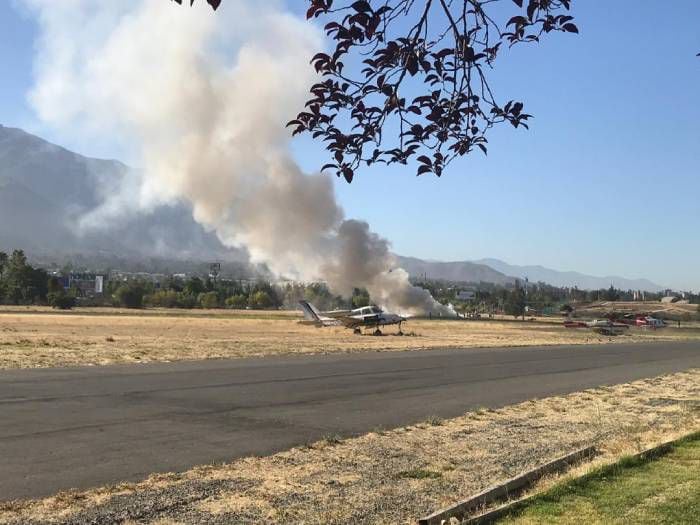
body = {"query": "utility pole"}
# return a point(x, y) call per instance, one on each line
point(214, 271)
point(525, 307)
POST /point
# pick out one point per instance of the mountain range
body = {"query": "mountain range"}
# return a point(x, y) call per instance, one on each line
point(464, 271)
point(45, 190)
point(500, 272)
point(570, 278)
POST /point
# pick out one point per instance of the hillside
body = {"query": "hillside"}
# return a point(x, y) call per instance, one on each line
point(673, 311)
point(45, 189)
point(499, 272)
point(580, 280)
point(453, 271)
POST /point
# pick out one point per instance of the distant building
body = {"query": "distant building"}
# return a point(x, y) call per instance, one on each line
point(84, 284)
point(155, 278)
point(466, 295)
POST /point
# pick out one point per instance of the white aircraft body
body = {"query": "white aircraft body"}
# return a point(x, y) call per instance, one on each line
point(365, 317)
point(650, 322)
point(607, 327)
point(600, 326)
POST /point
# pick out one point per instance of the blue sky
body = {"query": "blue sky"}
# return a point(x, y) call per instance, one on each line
point(606, 181)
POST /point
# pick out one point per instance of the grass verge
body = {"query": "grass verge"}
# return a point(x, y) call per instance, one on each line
point(657, 488)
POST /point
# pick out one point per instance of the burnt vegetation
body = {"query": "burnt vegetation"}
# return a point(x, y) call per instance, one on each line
point(367, 111)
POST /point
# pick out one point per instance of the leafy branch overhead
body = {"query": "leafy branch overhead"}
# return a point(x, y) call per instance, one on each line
point(214, 3)
point(447, 48)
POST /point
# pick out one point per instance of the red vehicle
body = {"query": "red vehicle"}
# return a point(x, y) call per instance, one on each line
point(650, 322)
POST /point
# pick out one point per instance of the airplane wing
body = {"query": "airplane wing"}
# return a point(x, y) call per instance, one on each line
point(335, 314)
point(353, 321)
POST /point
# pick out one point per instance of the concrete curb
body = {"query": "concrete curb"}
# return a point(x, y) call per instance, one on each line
point(507, 488)
point(492, 515)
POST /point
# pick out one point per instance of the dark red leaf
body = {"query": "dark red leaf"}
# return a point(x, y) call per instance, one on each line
point(348, 174)
point(362, 6)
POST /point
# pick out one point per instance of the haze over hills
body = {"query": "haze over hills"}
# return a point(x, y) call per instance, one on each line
point(570, 278)
point(499, 272)
point(46, 189)
point(454, 271)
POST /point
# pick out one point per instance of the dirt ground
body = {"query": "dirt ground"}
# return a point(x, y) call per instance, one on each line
point(671, 311)
point(391, 476)
point(36, 337)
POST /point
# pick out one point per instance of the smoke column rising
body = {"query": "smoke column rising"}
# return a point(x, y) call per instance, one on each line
point(209, 125)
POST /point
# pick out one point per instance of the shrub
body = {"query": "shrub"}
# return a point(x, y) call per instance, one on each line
point(61, 300)
point(209, 300)
point(260, 299)
point(130, 295)
point(238, 301)
point(171, 299)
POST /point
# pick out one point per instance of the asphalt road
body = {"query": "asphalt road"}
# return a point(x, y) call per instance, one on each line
point(81, 427)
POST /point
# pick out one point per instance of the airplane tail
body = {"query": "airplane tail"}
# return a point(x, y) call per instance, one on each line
point(310, 312)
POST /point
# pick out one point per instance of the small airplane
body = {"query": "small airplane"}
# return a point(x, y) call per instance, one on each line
point(365, 317)
point(600, 326)
point(642, 321)
point(649, 322)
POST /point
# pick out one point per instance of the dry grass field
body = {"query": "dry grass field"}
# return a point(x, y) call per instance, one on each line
point(41, 337)
point(391, 476)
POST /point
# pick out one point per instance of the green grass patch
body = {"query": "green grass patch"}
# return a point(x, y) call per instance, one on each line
point(435, 421)
point(333, 439)
point(663, 487)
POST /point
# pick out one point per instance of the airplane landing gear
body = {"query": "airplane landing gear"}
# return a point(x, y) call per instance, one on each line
point(357, 331)
point(377, 332)
point(399, 332)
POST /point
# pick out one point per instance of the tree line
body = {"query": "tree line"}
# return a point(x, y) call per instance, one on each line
point(21, 283)
point(198, 292)
point(517, 298)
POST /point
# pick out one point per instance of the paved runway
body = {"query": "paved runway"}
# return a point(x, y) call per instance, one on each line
point(81, 427)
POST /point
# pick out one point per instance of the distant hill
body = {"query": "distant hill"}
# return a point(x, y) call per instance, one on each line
point(582, 281)
point(672, 311)
point(499, 272)
point(45, 189)
point(454, 271)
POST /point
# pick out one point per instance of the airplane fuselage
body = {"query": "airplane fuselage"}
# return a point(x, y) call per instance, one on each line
point(365, 317)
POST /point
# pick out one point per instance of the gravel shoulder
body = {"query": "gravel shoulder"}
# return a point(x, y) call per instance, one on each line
point(391, 476)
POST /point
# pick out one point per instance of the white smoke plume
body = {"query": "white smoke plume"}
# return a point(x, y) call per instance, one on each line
point(205, 97)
